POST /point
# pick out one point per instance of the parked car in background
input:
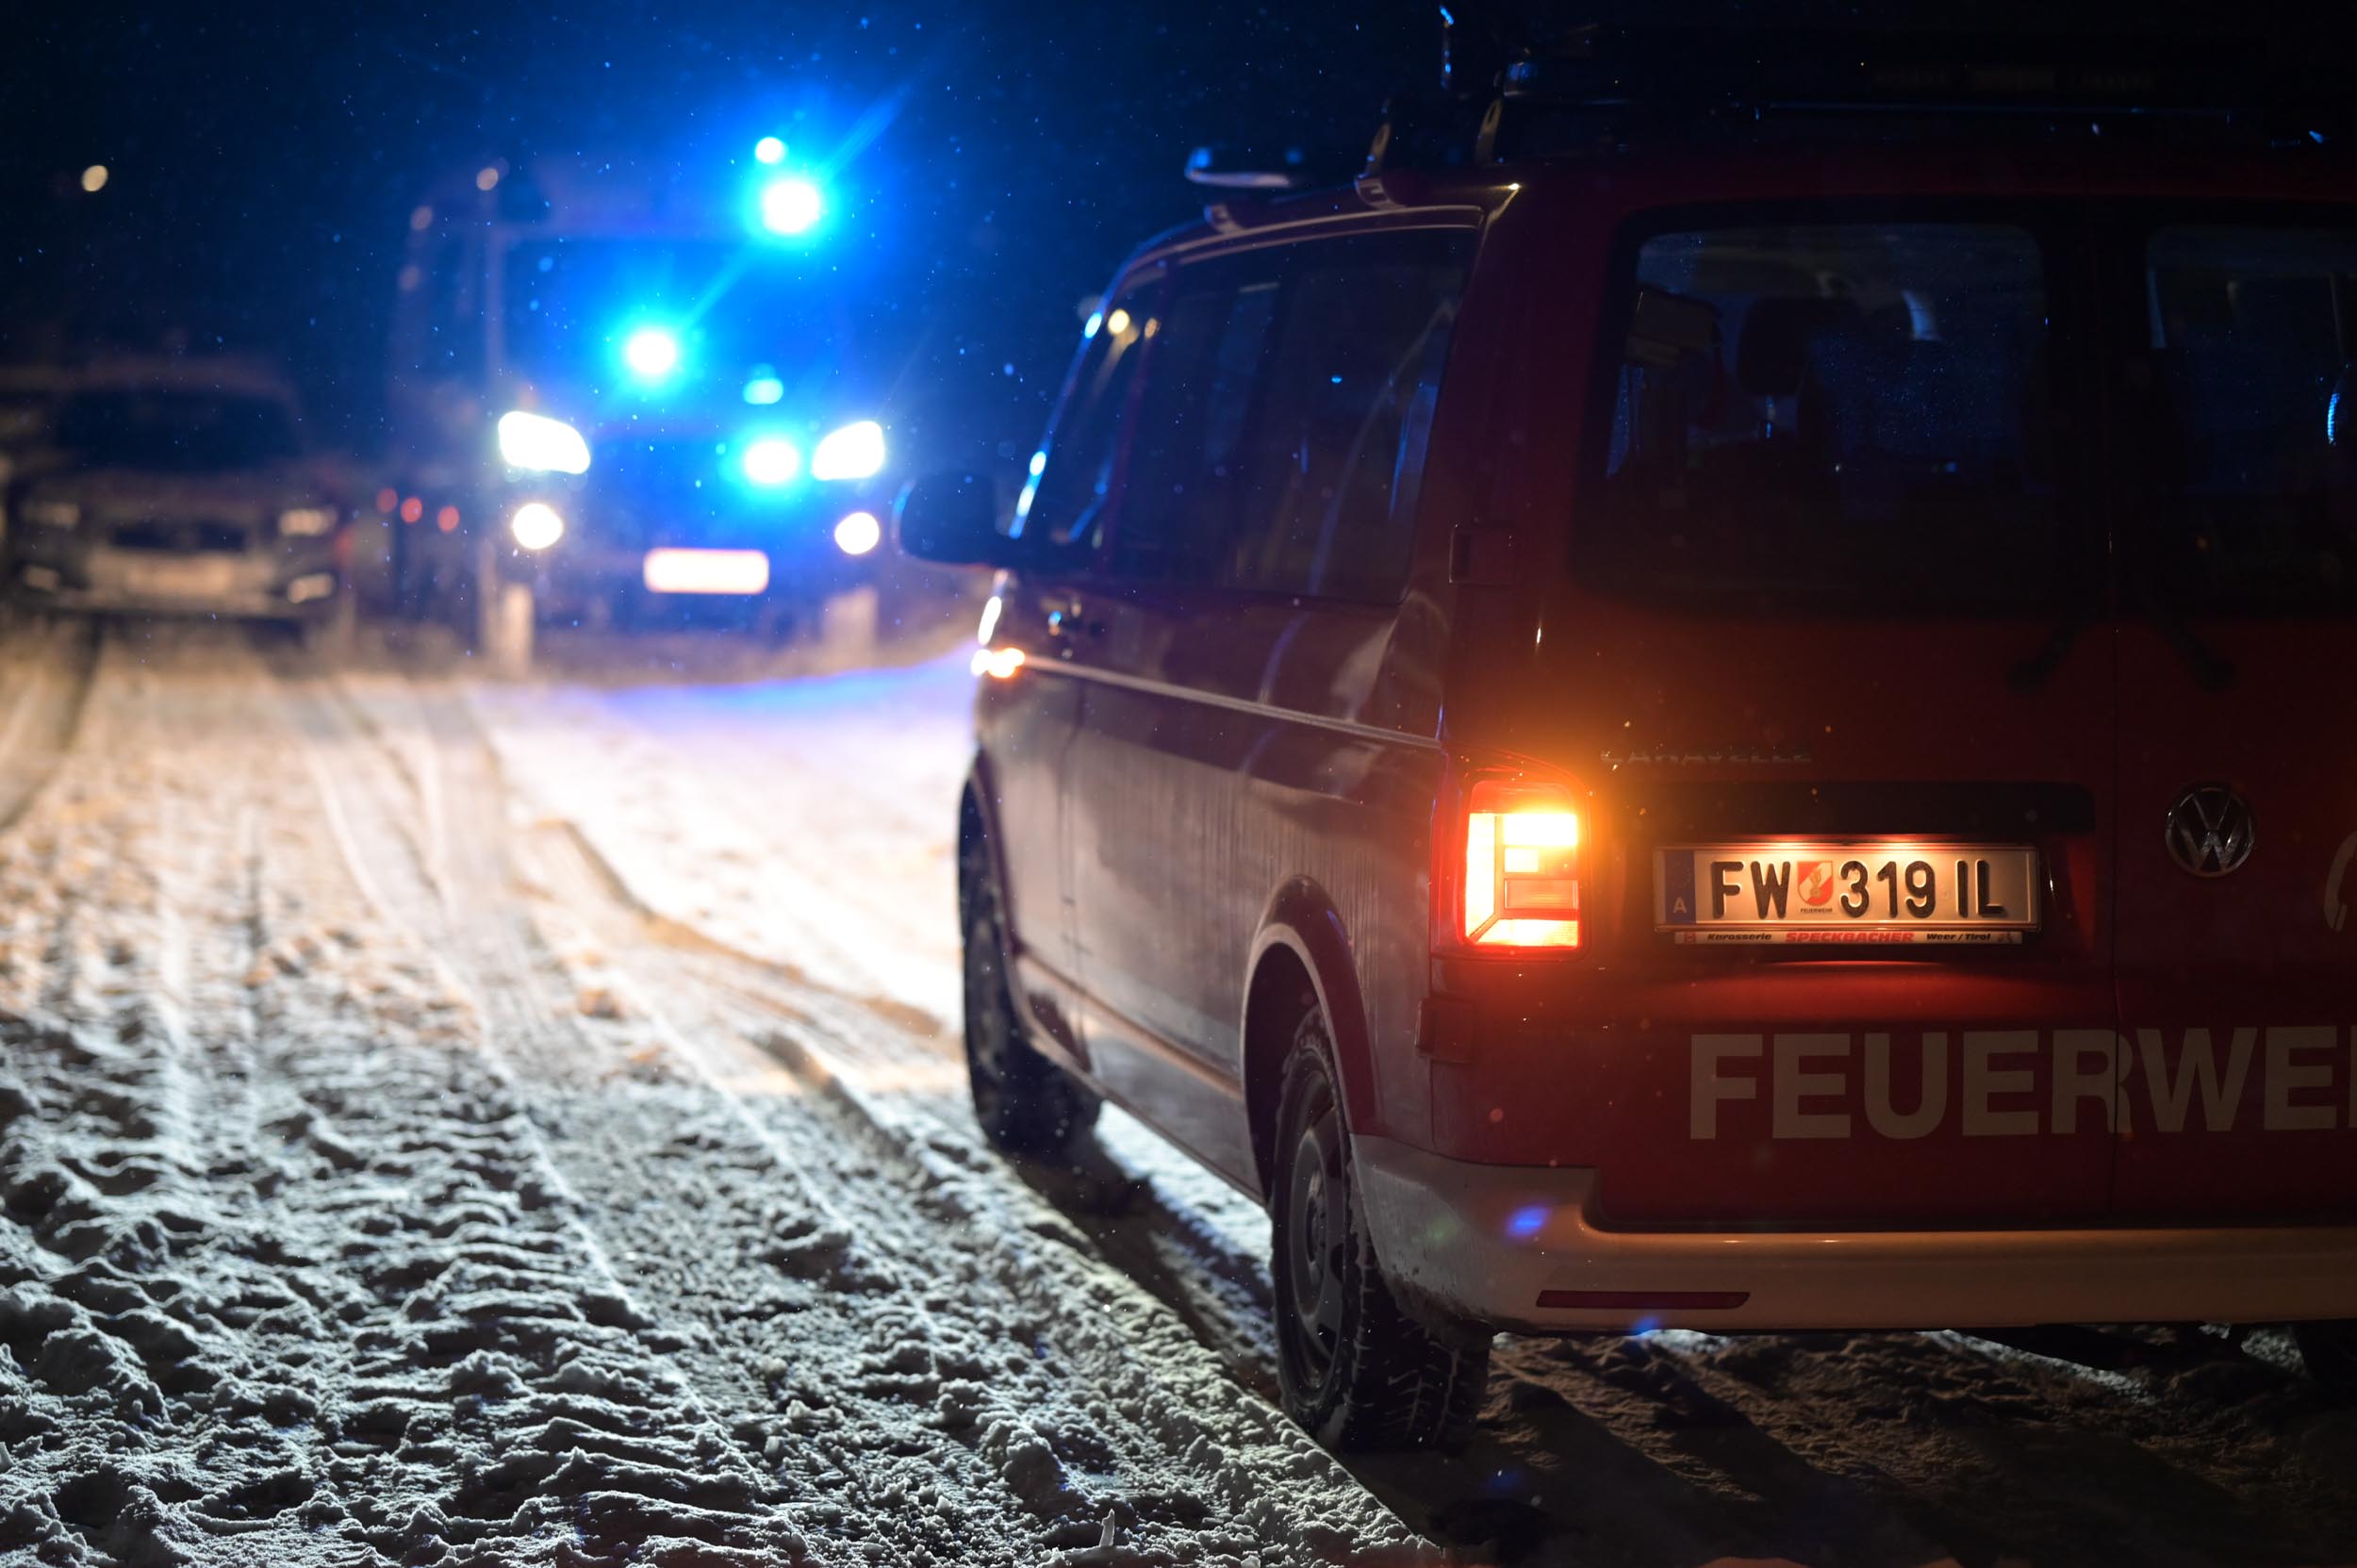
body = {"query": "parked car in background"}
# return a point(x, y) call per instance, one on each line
point(1714, 723)
point(178, 489)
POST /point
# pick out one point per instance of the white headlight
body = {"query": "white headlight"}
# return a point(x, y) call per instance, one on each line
point(537, 525)
point(858, 532)
point(542, 444)
point(52, 514)
point(854, 451)
point(306, 519)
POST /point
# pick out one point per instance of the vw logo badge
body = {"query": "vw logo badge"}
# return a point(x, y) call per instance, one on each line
point(2210, 830)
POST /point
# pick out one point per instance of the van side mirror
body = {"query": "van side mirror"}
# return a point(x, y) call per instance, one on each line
point(951, 518)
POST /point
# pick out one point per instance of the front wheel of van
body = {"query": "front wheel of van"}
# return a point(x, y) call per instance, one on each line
point(1354, 1369)
point(1024, 1103)
point(2330, 1352)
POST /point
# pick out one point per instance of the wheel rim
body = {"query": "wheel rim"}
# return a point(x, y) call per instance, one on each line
point(1315, 1233)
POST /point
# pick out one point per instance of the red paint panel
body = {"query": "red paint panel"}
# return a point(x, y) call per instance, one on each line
point(2238, 992)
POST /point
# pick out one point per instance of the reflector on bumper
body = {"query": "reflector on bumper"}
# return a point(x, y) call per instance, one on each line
point(706, 570)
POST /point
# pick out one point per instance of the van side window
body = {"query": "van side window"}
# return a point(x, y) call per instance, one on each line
point(1209, 354)
point(1282, 430)
point(1335, 457)
point(1063, 509)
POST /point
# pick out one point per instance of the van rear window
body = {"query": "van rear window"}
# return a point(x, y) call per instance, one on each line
point(1854, 414)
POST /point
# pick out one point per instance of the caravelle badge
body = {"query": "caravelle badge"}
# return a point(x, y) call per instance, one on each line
point(2210, 830)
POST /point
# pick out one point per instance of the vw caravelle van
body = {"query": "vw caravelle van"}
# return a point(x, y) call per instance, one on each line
point(1730, 731)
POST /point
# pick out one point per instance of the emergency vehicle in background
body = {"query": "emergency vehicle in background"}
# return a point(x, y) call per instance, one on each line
point(638, 393)
point(1718, 697)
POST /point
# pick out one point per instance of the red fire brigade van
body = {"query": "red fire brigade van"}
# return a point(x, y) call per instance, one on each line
point(1733, 715)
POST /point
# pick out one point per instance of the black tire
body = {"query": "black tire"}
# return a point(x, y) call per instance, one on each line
point(1354, 1369)
point(1024, 1103)
point(2330, 1352)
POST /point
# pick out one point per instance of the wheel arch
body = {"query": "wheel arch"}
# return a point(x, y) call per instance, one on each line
point(1301, 945)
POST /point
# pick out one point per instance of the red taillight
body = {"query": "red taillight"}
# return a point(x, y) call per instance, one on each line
point(1522, 868)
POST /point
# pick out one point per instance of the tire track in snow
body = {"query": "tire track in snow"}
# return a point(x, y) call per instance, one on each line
point(383, 821)
point(1054, 1391)
point(283, 1273)
point(830, 894)
point(1235, 1442)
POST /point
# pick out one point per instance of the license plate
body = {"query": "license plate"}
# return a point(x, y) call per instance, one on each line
point(735, 572)
point(1860, 893)
point(201, 577)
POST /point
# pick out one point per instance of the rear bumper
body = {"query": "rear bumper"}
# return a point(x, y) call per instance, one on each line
point(1485, 1243)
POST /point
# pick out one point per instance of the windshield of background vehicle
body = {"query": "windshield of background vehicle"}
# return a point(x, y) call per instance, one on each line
point(191, 432)
point(1862, 417)
point(740, 315)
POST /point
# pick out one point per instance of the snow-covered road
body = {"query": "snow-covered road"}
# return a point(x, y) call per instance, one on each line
point(451, 1123)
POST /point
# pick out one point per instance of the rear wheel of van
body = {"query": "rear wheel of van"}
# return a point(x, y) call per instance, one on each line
point(2330, 1352)
point(1024, 1102)
point(1353, 1368)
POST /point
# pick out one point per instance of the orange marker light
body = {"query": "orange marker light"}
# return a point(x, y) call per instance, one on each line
point(412, 509)
point(999, 664)
point(446, 520)
point(1522, 868)
point(387, 499)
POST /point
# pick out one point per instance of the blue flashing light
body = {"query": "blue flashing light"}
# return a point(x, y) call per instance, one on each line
point(651, 353)
point(1088, 328)
point(791, 206)
point(1525, 1222)
point(770, 461)
point(763, 388)
point(769, 150)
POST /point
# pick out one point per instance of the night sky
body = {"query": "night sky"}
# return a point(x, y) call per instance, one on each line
point(262, 159)
point(263, 156)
